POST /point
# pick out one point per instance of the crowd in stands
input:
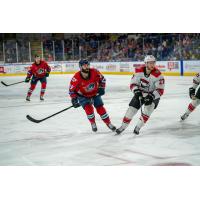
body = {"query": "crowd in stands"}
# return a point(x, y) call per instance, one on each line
point(109, 47)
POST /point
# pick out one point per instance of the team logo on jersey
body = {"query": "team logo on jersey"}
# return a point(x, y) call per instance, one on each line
point(40, 71)
point(144, 83)
point(90, 87)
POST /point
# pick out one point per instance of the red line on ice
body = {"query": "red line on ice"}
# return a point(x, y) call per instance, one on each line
point(110, 156)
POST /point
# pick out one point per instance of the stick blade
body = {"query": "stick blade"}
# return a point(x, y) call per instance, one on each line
point(32, 119)
point(4, 83)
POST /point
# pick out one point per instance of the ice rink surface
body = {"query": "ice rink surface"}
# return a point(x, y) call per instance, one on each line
point(67, 139)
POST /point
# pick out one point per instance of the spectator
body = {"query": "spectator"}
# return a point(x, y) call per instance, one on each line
point(110, 47)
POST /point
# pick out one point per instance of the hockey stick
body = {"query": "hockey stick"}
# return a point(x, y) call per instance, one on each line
point(140, 100)
point(41, 120)
point(12, 83)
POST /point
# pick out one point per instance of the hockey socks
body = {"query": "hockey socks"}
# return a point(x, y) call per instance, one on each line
point(90, 113)
point(128, 117)
point(193, 105)
point(103, 114)
point(31, 90)
point(191, 108)
point(43, 88)
point(144, 117)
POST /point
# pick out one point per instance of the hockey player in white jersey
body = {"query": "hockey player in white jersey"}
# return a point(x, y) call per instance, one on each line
point(147, 86)
point(194, 95)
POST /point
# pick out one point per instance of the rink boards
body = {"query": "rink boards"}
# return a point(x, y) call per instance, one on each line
point(168, 68)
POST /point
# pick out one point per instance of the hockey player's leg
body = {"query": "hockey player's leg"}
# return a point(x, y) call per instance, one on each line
point(30, 91)
point(105, 117)
point(43, 88)
point(148, 109)
point(134, 106)
point(98, 103)
point(86, 103)
point(32, 87)
point(144, 117)
point(127, 119)
point(191, 108)
point(89, 110)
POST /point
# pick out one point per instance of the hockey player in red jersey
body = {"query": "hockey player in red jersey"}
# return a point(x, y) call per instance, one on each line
point(194, 94)
point(147, 86)
point(86, 88)
point(39, 71)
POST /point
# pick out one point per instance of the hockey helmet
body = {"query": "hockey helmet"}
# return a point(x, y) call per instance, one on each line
point(83, 62)
point(149, 58)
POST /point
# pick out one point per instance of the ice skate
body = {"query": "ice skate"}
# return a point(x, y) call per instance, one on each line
point(94, 127)
point(41, 98)
point(28, 98)
point(119, 130)
point(136, 130)
point(185, 116)
point(111, 127)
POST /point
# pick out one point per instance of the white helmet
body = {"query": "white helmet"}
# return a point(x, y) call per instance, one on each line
point(149, 58)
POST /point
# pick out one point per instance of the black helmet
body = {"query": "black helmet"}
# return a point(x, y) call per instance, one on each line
point(83, 62)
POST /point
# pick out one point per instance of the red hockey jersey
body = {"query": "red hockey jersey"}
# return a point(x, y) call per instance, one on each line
point(86, 87)
point(40, 70)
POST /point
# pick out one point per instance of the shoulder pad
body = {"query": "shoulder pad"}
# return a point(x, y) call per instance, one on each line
point(77, 74)
point(139, 69)
point(156, 72)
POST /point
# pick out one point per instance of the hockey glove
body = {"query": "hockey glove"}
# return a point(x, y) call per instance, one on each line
point(75, 102)
point(101, 91)
point(47, 74)
point(137, 93)
point(149, 99)
point(27, 79)
point(191, 92)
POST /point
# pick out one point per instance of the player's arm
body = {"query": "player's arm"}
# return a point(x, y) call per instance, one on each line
point(29, 75)
point(102, 84)
point(160, 86)
point(48, 70)
point(135, 86)
point(196, 81)
point(73, 92)
point(73, 87)
point(135, 83)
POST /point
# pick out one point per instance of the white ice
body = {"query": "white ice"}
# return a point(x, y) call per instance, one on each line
point(67, 139)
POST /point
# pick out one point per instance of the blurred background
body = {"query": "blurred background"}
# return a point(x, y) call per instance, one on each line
point(21, 47)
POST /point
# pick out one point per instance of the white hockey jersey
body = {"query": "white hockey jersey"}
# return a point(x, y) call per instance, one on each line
point(153, 83)
point(196, 81)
